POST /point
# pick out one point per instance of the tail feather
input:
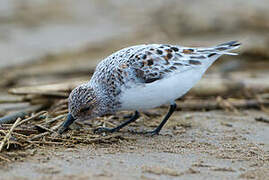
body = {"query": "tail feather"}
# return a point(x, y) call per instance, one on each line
point(221, 49)
point(228, 46)
point(231, 43)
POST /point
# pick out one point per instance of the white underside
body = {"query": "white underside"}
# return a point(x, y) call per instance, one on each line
point(164, 91)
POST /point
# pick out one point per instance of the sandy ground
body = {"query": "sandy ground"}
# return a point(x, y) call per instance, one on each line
point(193, 145)
point(70, 37)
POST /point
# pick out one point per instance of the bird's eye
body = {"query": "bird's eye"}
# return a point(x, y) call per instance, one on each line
point(85, 109)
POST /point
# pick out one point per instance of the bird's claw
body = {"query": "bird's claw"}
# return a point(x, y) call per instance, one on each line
point(100, 130)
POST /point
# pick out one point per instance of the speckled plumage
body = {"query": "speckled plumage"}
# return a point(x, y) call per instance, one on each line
point(131, 77)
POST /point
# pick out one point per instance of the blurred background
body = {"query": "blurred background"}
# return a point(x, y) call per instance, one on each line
point(83, 32)
point(43, 42)
point(49, 47)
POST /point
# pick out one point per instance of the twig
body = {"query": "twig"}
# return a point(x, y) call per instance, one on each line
point(5, 159)
point(44, 128)
point(226, 105)
point(33, 117)
point(45, 133)
point(6, 138)
point(56, 126)
point(106, 121)
point(55, 119)
point(3, 132)
point(263, 108)
point(19, 135)
point(21, 131)
point(39, 136)
point(60, 139)
point(12, 118)
point(17, 143)
point(45, 142)
point(65, 111)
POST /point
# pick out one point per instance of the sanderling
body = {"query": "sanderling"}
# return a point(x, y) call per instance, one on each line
point(142, 77)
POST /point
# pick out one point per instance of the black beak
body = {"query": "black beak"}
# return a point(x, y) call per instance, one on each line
point(69, 120)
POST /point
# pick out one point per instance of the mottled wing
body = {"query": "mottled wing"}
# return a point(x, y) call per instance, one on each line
point(158, 61)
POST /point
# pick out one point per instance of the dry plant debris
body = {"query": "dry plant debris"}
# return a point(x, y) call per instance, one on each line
point(48, 106)
point(38, 130)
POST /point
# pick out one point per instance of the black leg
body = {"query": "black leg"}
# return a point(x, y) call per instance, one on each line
point(70, 119)
point(111, 130)
point(158, 129)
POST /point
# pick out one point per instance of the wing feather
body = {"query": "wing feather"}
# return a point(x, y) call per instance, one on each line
point(159, 61)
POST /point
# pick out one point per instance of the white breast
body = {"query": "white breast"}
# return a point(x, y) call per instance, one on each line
point(164, 91)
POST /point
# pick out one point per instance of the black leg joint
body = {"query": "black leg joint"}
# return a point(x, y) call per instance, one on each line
point(111, 130)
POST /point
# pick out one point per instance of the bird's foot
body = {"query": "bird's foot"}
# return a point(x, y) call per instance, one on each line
point(100, 130)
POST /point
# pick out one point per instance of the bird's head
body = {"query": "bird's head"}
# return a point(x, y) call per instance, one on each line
point(83, 103)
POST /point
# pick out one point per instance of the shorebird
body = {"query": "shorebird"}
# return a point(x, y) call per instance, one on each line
point(142, 77)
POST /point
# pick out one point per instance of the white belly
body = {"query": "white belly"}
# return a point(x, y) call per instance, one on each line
point(160, 92)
